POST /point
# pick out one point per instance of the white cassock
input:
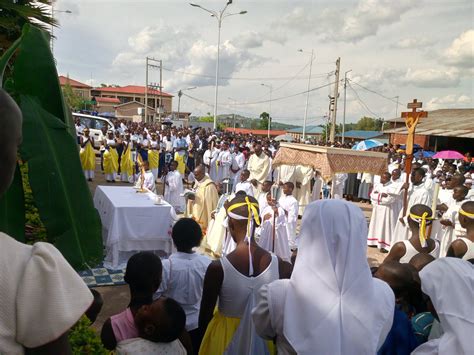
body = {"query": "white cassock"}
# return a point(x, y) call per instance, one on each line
point(286, 173)
point(290, 205)
point(216, 231)
point(416, 195)
point(278, 245)
point(270, 171)
point(210, 158)
point(245, 186)
point(318, 185)
point(383, 219)
point(304, 174)
point(174, 189)
point(224, 162)
point(238, 163)
point(448, 234)
point(338, 183)
point(259, 166)
point(396, 192)
point(148, 183)
point(262, 201)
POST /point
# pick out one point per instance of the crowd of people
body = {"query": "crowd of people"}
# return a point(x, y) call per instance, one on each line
point(254, 297)
point(250, 299)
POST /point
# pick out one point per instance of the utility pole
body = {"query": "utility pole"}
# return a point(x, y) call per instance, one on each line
point(344, 115)
point(396, 107)
point(146, 90)
point(336, 94)
point(161, 88)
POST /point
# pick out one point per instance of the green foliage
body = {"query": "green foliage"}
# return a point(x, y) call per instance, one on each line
point(264, 118)
point(15, 14)
point(73, 100)
point(206, 119)
point(84, 340)
point(369, 124)
point(59, 190)
point(327, 128)
point(12, 209)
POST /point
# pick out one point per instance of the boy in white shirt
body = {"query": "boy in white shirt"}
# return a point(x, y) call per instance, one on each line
point(290, 205)
point(244, 184)
point(174, 188)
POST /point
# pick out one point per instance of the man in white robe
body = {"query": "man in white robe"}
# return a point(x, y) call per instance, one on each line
point(290, 205)
point(383, 219)
point(273, 233)
point(317, 187)
point(174, 188)
point(338, 183)
point(148, 179)
point(259, 166)
point(238, 164)
point(285, 173)
point(224, 163)
point(417, 194)
point(209, 161)
point(304, 175)
point(395, 190)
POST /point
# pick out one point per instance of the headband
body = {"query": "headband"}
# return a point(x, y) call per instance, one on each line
point(253, 217)
point(467, 214)
point(422, 221)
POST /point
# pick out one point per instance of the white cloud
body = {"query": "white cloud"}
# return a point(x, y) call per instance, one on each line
point(449, 101)
point(182, 51)
point(431, 78)
point(347, 24)
point(254, 39)
point(461, 51)
point(414, 42)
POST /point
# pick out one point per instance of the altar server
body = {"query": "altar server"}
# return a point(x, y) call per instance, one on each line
point(304, 175)
point(174, 188)
point(290, 205)
point(383, 219)
point(273, 233)
point(417, 194)
point(245, 184)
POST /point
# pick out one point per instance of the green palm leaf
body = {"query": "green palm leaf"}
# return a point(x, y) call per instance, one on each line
point(59, 188)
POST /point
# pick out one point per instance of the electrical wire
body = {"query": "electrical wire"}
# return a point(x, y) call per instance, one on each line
point(376, 93)
point(362, 103)
point(320, 75)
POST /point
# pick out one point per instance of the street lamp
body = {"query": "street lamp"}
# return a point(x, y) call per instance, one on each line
point(269, 112)
point(307, 95)
point(180, 93)
point(219, 15)
point(53, 11)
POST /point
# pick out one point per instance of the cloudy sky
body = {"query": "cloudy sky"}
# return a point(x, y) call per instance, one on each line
point(405, 48)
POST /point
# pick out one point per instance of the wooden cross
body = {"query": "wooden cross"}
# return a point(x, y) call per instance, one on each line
point(411, 121)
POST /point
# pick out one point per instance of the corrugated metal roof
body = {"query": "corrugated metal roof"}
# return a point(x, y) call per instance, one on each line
point(361, 134)
point(309, 130)
point(444, 123)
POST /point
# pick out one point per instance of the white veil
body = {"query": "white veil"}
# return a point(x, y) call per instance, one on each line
point(333, 305)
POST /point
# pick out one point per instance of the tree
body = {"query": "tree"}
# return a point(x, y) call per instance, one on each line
point(264, 118)
point(73, 100)
point(366, 124)
point(15, 14)
point(327, 128)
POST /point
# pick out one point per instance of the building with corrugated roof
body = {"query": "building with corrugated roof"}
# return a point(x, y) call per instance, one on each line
point(314, 132)
point(443, 129)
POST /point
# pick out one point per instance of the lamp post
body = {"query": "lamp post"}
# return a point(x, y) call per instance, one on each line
point(270, 111)
point(307, 95)
point(180, 93)
point(53, 11)
point(219, 16)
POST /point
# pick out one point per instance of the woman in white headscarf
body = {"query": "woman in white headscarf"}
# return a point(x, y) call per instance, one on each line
point(331, 304)
point(449, 282)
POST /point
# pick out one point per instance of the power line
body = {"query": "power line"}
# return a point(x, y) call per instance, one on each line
point(376, 93)
point(321, 75)
point(362, 103)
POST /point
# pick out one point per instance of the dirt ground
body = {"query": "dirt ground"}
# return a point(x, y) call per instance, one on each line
point(116, 297)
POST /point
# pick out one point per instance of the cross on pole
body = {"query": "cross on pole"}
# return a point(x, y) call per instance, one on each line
point(411, 121)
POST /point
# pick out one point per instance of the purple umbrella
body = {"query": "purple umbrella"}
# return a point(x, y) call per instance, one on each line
point(448, 154)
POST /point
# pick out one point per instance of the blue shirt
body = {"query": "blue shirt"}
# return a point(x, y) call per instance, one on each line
point(180, 143)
